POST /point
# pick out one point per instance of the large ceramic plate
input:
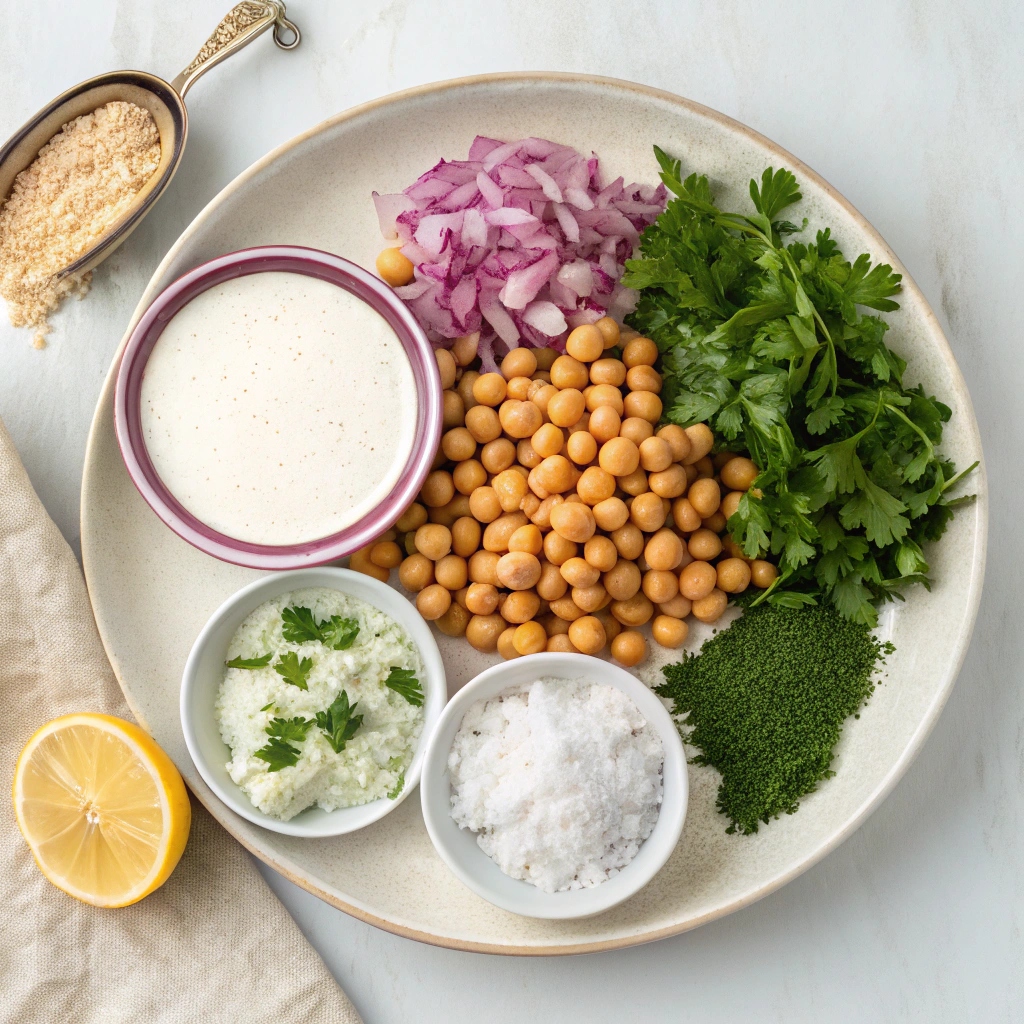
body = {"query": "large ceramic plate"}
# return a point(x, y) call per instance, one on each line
point(152, 592)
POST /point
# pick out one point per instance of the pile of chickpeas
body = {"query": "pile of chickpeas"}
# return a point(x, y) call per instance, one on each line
point(558, 516)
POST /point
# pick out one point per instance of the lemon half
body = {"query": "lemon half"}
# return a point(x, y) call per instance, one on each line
point(102, 807)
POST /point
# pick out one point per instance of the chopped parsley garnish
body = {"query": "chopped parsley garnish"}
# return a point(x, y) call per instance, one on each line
point(278, 754)
point(338, 723)
point(299, 626)
point(404, 682)
point(294, 729)
point(267, 707)
point(397, 788)
point(261, 662)
point(765, 342)
point(293, 671)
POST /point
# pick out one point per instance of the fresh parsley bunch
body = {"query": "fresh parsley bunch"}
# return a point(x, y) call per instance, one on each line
point(766, 342)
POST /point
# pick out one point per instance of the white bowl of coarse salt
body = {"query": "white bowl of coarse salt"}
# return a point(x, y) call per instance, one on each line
point(583, 793)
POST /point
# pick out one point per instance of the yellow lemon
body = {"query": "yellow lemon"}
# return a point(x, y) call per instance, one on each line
point(102, 808)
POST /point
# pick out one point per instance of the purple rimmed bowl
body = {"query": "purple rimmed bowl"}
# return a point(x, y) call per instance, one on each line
point(296, 260)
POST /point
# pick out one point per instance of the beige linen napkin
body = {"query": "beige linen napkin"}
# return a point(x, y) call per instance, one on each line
point(214, 944)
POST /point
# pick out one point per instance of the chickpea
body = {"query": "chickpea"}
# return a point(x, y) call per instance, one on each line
point(454, 414)
point(447, 514)
point(612, 626)
point(583, 423)
point(438, 489)
point(655, 454)
point(553, 625)
point(386, 554)
point(445, 367)
point(433, 601)
point(566, 408)
point(710, 608)
point(578, 572)
point(609, 331)
point(542, 516)
point(451, 572)
point(701, 442)
point(465, 348)
point(730, 503)
point(519, 419)
point(458, 444)
point(542, 397)
point(360, 562)
point(581, 447)
point(733, 575)
point(574, 521)
point(678, 441)
point(530, 638)
point(604, 396)
point(591, 598)
point(483, 567)
point(520, 362)
point(705, 497)
point(611, 513)
point(670, 483)
point(529, 505)
point(555, 474)
point(636, 429)
point(677, 608)
point(557, 549)
point(434, 541)
point(545, 357)
point(412, 518)
point(704, 467)
point(643, 378)
point(416, 572)
point(664, 551)
point(454, 621)
point(600, 552)
point(547, 440)
point(704, 544)
point(552, 584)
point(527, 454)
point(639, 352)
point(483, 423)
point(482, 598)
point(628, 540)
point(506, 643)
point(465, 388)
point(567, 372)
point(595, 485)
point(510, 487)
point(668, 631)
point(518, 570)
point(608, 371)
point(394, 268)
point(468, 476)
point(527, 538)
point(635, 483)
point(496, 456)
point(634, 611)
point(732, 550)
point(561, 644)
point(409, 544)
point(519, 389)
point(619, 456)
point(697, 580)
point(660, 585)
point(647, 512)
point(566, 608)
point(520, 606)
point(644, 405)
point(623, 580)
point(762, 573)
point(498, 533)
point(490, 389)
point(585, 343)
point(714, 522)
point(604, 424)
point(685, 516)
point(629, 648)
point(739, 474)
point(484, 504)
point(587, 634)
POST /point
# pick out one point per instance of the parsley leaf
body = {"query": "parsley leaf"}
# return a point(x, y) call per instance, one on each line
point(293, 671)
point(299, 626)
point(397, 788)
point(260, 662)
point(278, 754)
point(289, 728)
point(338, 723)
point(404, 682)
point(267, 707)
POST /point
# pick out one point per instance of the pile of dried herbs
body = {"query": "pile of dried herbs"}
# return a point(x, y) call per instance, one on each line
point(765, 701)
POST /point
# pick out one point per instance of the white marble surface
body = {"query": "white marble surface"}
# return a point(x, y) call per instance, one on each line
point(913, 111)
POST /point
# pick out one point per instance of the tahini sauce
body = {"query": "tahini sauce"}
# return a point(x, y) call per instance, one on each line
point(278, 408)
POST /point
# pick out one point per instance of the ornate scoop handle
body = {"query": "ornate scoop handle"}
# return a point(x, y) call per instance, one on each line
point(240, 26)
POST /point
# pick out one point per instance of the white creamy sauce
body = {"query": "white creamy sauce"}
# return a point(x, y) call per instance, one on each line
point(278, 408)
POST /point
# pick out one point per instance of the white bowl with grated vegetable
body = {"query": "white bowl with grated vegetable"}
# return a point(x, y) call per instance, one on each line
point(224, 717)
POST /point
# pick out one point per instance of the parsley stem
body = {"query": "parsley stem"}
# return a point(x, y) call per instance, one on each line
point(913, 426)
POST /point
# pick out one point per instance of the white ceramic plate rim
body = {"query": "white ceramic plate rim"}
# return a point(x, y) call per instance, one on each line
point(973, 583)
point(384, 598)
point(521, 897)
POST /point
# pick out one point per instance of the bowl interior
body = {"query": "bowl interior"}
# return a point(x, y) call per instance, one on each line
point(144, 90)
point(458, 846)
point(204, 672)
point(312, 263)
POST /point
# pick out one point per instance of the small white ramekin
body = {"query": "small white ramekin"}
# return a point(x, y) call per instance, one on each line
point(204, 672)
point(458, 847)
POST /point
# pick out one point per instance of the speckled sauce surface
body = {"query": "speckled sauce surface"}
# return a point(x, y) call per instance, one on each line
point(152, 592)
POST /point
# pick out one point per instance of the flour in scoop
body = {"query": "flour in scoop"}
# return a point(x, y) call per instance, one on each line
point(278, 408)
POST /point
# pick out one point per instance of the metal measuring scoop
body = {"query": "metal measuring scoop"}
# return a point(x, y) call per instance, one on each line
point(164, 100)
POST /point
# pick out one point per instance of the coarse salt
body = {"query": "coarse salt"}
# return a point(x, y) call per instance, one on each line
point(561, 779)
